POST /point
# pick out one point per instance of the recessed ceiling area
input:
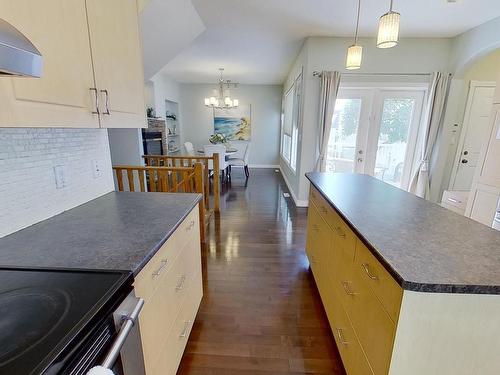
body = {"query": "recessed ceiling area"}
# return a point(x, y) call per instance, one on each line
point(256, 41)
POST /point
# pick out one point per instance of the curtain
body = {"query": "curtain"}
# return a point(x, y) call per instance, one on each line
point(329, 88)
point(433, 120)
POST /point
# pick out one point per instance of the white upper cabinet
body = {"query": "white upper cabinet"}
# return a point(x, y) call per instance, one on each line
point(78, 71)
point(61, 97)
point(117, 61)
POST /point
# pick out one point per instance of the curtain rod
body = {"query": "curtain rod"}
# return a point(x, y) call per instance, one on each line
point(318, 74)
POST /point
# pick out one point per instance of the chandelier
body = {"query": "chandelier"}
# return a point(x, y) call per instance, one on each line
point(223, 98)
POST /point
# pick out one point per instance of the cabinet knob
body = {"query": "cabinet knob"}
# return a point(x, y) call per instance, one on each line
point(464, 161)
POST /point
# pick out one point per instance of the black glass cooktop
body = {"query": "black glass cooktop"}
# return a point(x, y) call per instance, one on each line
point(42, 311)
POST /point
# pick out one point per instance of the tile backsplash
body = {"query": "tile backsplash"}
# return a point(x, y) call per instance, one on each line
point(28, 161)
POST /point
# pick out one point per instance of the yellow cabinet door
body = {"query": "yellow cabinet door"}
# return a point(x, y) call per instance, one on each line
point(117, 62)
point(62, 97)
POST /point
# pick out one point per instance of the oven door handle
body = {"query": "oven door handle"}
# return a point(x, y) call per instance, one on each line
point(128, 323)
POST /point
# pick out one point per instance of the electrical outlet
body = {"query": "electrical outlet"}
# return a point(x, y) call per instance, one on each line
point(60, 176)
point(96, 169)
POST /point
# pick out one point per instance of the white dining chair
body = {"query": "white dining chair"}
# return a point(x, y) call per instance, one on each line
point(240, 159)
point(189, 148)
point(210, 150)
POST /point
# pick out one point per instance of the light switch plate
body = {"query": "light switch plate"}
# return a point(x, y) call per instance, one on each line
point(60, 176)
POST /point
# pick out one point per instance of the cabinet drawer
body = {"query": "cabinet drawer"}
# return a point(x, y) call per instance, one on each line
point(344, 245)
point(163, 307)
point(374, 328)
point(352, 355)
point(385, 288)
point(157, 268)
point(175, 343)
point(324, 208)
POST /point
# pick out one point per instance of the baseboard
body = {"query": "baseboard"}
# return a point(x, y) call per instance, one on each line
point(263, 166)
point(298, 202)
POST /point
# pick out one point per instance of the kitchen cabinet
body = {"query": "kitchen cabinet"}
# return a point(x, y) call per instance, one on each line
point(61, 97)
point(171, 285)
point(483, 203)
point(383, 323)
point(117, 62)
point(86, 82)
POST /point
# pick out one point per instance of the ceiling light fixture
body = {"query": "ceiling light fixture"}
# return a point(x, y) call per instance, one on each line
point(223, 100)
point(388, 29)
point(355, 52)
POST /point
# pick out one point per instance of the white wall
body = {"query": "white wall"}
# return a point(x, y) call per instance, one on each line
point(410, 56)
point(198, 125)
point(28, 192)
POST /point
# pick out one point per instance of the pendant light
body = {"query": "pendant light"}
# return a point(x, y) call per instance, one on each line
point(388, 29)
point(355, 52)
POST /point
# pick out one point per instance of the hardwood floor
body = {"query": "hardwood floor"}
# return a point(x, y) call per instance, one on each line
point(261, 312)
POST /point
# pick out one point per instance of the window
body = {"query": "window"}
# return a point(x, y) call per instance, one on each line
point(290, 123)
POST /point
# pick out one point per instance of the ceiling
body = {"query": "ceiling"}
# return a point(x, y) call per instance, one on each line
point(256, 41)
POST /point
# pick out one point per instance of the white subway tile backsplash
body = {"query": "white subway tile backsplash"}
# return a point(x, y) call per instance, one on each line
point(28, 156)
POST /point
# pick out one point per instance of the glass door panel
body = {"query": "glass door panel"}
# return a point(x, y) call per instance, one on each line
point(398, 116)
point(395, 124)
point(341, 154)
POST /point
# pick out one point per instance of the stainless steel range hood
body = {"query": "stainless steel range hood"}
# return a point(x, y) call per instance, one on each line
point(18, 56)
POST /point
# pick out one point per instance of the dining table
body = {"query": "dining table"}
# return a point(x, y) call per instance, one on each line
point(229, 151)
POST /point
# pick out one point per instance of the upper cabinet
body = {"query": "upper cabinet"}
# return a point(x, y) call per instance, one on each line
point(86, 82)
point(117, 61)
point(61, 97)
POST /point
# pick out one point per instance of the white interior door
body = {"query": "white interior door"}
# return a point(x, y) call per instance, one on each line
point(374, 131)
point(474, 132)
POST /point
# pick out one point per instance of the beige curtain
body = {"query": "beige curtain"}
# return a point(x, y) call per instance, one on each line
point(433, 120)
point(329, 88)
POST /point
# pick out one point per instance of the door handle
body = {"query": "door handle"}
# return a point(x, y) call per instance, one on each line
point(106, 101)
point(96, 98)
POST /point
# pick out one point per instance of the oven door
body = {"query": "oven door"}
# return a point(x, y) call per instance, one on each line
point(114, 344)
point(126, 355)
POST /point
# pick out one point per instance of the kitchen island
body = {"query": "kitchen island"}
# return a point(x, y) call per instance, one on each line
point(156, 236)
point(408, 287)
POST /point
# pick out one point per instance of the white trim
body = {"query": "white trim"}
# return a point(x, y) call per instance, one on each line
point(298, 202)
point(275, 166)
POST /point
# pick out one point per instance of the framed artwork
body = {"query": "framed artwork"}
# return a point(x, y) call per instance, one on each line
point(234, 123)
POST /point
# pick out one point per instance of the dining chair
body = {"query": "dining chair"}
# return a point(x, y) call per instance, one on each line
point(209, 150)
point(189, 148)
point(240, 159)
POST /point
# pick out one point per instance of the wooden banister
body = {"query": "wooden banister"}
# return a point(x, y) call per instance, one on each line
point(190, 160)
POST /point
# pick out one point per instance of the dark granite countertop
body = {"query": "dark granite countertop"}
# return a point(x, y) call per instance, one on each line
point(425, 247)
point(118, 231)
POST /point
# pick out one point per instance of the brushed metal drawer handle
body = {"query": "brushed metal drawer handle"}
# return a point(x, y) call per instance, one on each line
point(191, 225)
point(347, 289)
point(157, 273)
point(454, 200)
point(340, 233)
point(185, 329)
point(180, 285)
point(366, 266)
point(340, 334)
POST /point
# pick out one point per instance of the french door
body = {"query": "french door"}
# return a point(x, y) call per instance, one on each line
point(375, 131)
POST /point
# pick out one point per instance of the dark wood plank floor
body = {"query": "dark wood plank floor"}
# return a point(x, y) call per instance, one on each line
point(261, 312)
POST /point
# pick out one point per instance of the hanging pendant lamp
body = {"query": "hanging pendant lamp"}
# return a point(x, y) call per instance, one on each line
point(355, 52)
point(388, 29)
